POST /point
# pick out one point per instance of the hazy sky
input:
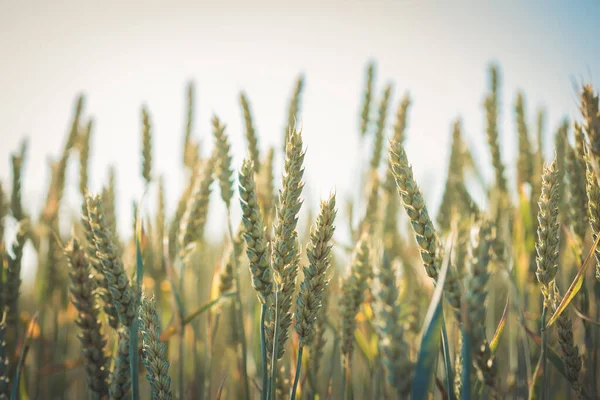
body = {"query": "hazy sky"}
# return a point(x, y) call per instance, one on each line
point(144, 53)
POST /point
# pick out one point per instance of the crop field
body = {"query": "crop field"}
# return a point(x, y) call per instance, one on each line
point(373, 296)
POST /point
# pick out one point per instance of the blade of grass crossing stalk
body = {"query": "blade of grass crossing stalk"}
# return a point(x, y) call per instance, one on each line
point(24, 350)
point(171, 330)
point(447, 361)
point(220, 391)
point(499, 329)
point(557, 362)
point(430, 341)
point(575, 286)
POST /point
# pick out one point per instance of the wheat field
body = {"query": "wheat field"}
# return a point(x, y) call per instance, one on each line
point(497, 298)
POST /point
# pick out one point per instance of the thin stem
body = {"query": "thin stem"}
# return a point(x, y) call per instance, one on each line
point(263, 349)
point(273, 380)
point(240, 314)
point(213, 334)
point(297, 377)
point(181, 363)
point(543, 354)
point(595, 349)
point(333, 358)
point(465, 393)
point(346, 381)
point(181, 333)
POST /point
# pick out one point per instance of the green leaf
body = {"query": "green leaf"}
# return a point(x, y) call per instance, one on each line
point(24, 350)
point(499, 329)
point(575, 286)
point(447, 362)
point(364, 345)
point(536, 384)
point(552, 355)
point(430, 342)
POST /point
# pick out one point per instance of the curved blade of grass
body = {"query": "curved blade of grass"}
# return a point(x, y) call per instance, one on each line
point(430, 342)
point(535, 387)
point(441, 388)
point(447, 361)
point(171, 330)
point(556, 361)
point(220, 391)
point(500, 328)
point(585, 317)
point(575, 286)
point(26, 344)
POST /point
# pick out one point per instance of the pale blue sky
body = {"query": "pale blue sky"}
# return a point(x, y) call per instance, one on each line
point(145, 52)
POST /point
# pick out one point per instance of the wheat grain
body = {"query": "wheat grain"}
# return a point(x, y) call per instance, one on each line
point(120, 377)
point(84, 156)
point(525, 156)
point(16, 201)
point(93, 342)
point(491, 111)
point(476, 295)
point(254, 234)
point(193, 220)
point(251, 137)
point(222, 157)
point(380, 129)
point(284, 260)
point(112, 266)
point(548, 228)
point(401, 117)
point(315, 281)
point(353, 294)
point(155, 352)
point(366, 104)
point(392, 345)
point(191, 149)
point(293, 111)
point(12, 282)
point(575, 171)
point(146, 146)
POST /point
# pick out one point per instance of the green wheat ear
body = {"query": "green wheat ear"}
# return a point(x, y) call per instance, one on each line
point(525, 157)
point(367, 97)
point(146, 146)
point(354, 286)
point(222, 157)
point(379, 133)
point(315, 281)
point(491, 111)
point(285, 257)
point(392, 344)
point(251, 137)
point(547, 244)
point(293, 111)
point(193, 220)
point(155, 352)
point(93, 343)
point(254, 234)
point(111, 263)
